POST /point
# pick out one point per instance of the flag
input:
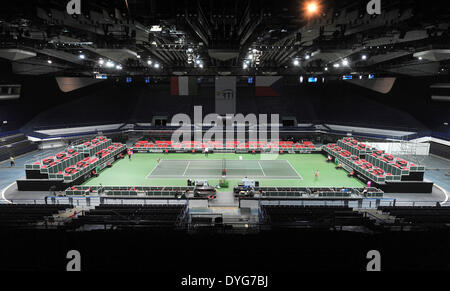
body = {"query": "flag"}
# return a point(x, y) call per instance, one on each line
point(225, 95)
point(268, 86)
point(183, 86)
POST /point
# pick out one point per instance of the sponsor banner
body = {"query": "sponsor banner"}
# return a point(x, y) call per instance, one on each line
point(225, 95)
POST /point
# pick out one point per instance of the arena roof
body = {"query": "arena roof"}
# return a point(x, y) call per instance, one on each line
point(243, 37)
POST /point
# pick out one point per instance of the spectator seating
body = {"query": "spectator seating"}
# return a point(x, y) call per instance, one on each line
point(20, 215)
point(394, 166)
point(92, 146)
point(373, 163)
point(293, 192)
point(15, 145)
point(156, 192)
point(12, 139)
point(152, 216)
point(57, 163)
point(78, 160)
point(158, 145)
point(418, 215)
point(355, 147)
point(290, 215)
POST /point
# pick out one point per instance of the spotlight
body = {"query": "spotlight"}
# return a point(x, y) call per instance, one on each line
point(101, 61)
point(149, 62)
point(301, 79)
point(336, 65)
point(244, 66)
point(200, 66)
point(364, 57)
point(109, 64)
point(420, 58)
point(197, 62)
point(326, 68)
point(312, 7)
point(138, 56)
point(119, 67)
point(345, 62)
point(296, 62)
point(82, 57)
point(307, 57)
point(49, 61)
point(156, 66)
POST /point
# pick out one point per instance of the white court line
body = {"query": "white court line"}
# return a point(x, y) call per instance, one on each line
point(294, 169)
point(261, 169)
point(229, 176)
point(443, 191)
point(185, 170)
point(4, 191)
point(149, 175)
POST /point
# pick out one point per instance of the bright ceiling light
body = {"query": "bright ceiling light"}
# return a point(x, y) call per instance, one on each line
point(149, 62)
point(156, 28)
point(364, 57)
point(200, 66)
point(82, 57)
point(307, 57)
point(345, 62)
point(109, 64)
point(49, 61)
point(311, 8)
point(296, 62)
point(101, 62)
point(119, 67)
point(156, 66)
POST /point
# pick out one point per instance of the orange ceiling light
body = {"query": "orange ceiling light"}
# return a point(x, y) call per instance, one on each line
point(312, 8)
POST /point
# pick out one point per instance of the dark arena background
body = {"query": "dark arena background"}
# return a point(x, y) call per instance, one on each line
point(206, 139)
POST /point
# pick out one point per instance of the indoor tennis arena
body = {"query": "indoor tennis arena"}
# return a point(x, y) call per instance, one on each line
point(225, 143)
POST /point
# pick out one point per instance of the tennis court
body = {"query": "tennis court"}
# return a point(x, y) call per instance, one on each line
point(174, 169)
point(258, 169)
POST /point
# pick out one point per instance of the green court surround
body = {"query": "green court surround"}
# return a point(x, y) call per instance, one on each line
point(135, 172)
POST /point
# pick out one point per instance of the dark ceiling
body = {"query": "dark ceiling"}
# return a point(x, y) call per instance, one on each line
point(240, 37)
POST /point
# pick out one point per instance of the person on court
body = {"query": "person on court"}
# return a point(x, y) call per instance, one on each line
point(12, 161)
point(158, 160)
point(316, 174)
point(206, 151)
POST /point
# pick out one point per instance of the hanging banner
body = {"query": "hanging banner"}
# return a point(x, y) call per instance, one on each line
point(225, 95)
